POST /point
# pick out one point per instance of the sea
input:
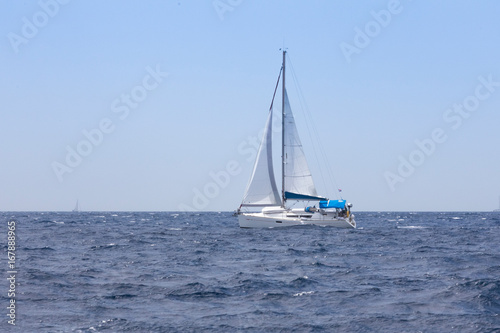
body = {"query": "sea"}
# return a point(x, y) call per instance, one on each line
point(199, 272)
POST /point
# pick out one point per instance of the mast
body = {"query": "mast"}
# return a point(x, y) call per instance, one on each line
point(283, 134)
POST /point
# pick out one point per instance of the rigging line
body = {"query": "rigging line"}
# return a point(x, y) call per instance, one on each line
point(276, 88)
point(302, 102)
point(324, 156)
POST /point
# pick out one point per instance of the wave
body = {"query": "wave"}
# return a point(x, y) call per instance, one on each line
point(44, 248)
point(205, 274)
point(197, 290)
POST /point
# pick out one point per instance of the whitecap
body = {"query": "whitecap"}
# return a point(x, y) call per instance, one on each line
point(303, 293)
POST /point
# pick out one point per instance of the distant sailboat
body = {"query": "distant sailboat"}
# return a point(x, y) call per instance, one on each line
point(297, 182)
point(498, 210)
point(77, 207)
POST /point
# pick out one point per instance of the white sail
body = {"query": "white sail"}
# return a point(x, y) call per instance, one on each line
point(298, 178)
point(77, 208)
point(262, 190)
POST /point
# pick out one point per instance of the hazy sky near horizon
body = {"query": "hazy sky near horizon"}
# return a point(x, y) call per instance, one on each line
point(157, 105)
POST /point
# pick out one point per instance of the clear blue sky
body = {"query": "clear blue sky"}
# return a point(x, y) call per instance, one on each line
point(376, 75)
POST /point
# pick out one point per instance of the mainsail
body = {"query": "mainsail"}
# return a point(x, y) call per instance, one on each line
point(262, 190)
point(299, 184)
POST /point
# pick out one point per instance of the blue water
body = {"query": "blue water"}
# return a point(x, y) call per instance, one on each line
point(199, 272)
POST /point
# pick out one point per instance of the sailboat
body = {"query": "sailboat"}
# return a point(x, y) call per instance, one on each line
point(296, 180)
point(497, 210)
point(77, 207)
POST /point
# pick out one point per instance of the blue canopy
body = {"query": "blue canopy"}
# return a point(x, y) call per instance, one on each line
point(332, 204)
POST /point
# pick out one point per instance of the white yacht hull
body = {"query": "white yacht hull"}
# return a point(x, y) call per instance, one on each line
point(287, 219)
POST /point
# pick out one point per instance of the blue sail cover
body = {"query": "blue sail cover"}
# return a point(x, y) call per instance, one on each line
point(296, 196)
point(332, 204)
